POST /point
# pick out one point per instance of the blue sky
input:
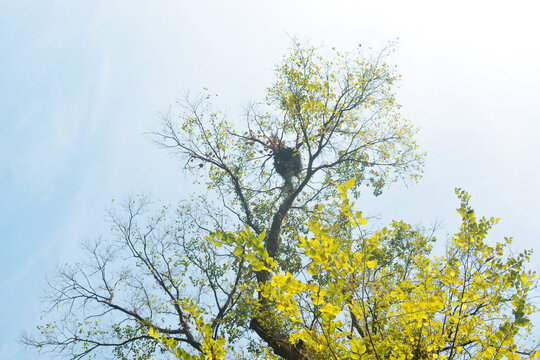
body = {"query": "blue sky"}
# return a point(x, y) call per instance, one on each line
point(81, 82)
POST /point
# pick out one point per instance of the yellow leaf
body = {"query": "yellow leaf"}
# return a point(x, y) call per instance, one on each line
point(330, 309)
point(350, 183)
point(238, 251)
point(371, 264)
point(317, 300)
point(313, 270)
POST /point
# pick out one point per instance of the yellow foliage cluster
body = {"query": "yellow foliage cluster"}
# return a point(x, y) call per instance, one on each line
point(360, 299)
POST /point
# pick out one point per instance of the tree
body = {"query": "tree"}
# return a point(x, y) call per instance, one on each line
point(283, 267)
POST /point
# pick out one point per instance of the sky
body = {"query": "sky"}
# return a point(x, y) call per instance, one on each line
point(83, 82)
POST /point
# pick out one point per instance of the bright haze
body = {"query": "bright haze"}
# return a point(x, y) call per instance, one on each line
point(82, 82)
